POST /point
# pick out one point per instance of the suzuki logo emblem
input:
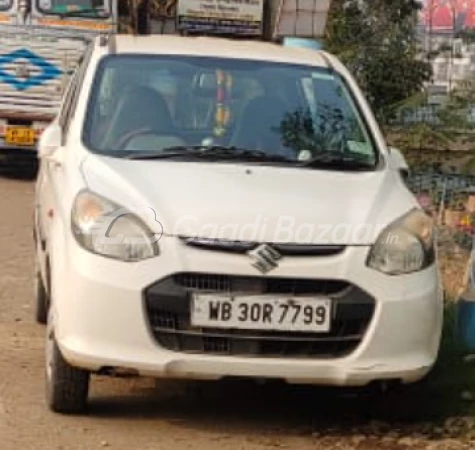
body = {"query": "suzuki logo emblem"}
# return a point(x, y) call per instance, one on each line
point(264, 258)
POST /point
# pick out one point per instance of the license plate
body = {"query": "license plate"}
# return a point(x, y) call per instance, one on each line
point(299, 314)
point(20, 136)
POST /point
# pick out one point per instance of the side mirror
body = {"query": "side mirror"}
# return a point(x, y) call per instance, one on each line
point(50, 141)
point(398, 163)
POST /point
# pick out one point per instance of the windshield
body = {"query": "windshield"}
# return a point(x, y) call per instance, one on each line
point(5, 4)
point(288, 111)
point(94, 8)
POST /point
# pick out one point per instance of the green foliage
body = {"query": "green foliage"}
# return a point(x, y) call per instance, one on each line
point(451, 129)
point(328, 131)
point(421, 136)
point(376, 39)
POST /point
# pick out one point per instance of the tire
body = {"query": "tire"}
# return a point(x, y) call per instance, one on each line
point(67, 387)
point(42, 301)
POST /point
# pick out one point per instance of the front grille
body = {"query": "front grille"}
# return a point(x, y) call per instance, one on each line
point(257, 285)
point(168, 312)
point(241, 247)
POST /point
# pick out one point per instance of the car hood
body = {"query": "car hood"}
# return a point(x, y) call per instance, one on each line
point(253, 203)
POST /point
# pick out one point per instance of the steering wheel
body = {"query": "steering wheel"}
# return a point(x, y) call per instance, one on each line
point(122, 142)
point(161, 141)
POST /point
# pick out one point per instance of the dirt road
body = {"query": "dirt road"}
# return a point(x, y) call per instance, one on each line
point(144, 415)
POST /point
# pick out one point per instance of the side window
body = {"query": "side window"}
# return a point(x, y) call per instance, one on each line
point(72, 96)
point(66, 104)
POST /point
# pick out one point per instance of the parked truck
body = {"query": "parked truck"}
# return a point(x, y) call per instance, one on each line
point(41, 43)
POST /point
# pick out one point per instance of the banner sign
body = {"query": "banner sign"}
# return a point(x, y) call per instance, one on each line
point(447, 15)
point(243, 17)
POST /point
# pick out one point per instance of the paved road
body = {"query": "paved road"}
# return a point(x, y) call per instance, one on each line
point(144, 415)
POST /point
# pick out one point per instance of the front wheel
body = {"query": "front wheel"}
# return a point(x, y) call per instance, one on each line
point(67, 387)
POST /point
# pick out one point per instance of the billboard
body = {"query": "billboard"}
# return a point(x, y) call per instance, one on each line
point(447, 15)
point(243, 17)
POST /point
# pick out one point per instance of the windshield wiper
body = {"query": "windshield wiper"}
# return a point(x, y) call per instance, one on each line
point(216, 152)
point(333, 160)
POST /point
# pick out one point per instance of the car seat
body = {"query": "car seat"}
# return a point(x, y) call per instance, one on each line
point(140, 109)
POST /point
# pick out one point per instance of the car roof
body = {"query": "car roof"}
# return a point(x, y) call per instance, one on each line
point(216, 47)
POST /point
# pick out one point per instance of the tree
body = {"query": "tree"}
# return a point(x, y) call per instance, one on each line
point(377, 41)
point(450, 128)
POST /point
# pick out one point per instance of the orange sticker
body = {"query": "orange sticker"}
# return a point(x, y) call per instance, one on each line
point(76, 24)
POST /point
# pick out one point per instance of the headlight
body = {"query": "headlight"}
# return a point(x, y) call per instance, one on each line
point(100, 226)
point(405, 246)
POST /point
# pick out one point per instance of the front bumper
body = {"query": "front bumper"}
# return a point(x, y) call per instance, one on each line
point(101, 318)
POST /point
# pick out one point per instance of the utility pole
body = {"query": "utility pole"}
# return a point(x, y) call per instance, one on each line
point(431, 18)
point(143, 17)
point(453, 6)
point(431, 49)
point(139, 16)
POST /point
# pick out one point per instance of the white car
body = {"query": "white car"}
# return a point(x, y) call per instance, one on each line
point(210, 208)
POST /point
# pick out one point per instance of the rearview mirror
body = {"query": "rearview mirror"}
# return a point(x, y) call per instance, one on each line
point(50, 141)
point(398, 163)
point(206, 83)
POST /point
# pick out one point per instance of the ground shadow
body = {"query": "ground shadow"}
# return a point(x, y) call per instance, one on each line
point(24, 168)
point(242, 407)
point(432, 409)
